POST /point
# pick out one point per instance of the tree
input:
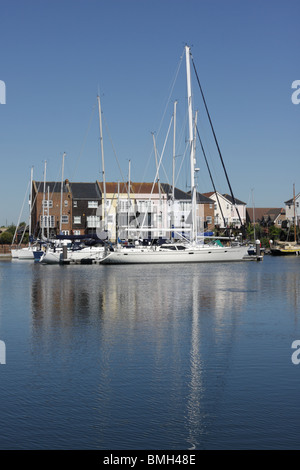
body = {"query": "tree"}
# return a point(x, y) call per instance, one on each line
point(6, 238)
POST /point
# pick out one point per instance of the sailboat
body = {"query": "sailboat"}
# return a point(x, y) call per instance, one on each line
point(27, 252)
point(287, 248)
point(188, 251)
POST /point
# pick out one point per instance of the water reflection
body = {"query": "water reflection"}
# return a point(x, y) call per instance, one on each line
point(164, 334)
point(135, 357)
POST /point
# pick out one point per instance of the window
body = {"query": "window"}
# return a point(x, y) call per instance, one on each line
point(93, 221)
point(92, 204)
point(47, 221)
point(209, 219)
point(124, 205)
point(76, 232)
point(64, 219)
point(45, 204)
point(66, 203)
point(74, 203)
point(144, 206)
point(65, 232)
point(77, 220)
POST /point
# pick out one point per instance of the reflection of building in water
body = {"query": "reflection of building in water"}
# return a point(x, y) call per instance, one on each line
point(158, 292)
point(172, 327)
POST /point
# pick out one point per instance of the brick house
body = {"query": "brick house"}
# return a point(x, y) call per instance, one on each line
point(86, 199)
point(48, 215)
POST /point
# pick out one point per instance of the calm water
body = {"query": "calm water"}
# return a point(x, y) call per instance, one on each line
point(156, 357)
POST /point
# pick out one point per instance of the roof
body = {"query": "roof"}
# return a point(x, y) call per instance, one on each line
point(85, 191)
point(237, 201)
point(226, 196)
point(291, 201)
point(261, 213)
point(178, 193)
point(202, 198)
point(211, 193)
point(54, 186)
point(135, 188)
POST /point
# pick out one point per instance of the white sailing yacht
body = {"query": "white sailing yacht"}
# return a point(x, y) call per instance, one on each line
point(26, 252)
point(186, 252)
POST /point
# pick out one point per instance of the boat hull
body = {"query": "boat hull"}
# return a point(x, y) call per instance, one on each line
point(283, 252)
point(22, 253)
point(203, 255)
point(89, 253)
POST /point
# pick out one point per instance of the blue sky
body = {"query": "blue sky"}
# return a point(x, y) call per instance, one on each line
point(56, 55)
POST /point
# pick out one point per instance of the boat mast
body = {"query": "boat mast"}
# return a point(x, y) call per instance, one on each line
point(159, 222)
point(48, 212)
point(174, 153)
point(254, 234)
point(102, 157)
point(295, 228)
point(44, 198)
point(129, 200)
point(117, 214)
point(61, 191)
point(30, 204)
point(191, 141)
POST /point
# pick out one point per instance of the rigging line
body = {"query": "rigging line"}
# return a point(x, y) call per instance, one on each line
point(216, 141)
point(165, 110)
point(84, 141)
point(182, 161)
point(114, 151)
point(157, 170)
point(25, 197)
point(170, 94)
point(165, 143)
point(211, 178)
point(180, 144)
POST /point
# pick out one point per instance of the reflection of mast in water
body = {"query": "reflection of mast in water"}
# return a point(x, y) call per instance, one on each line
point(194, 410)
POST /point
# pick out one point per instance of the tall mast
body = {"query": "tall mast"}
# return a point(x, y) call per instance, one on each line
point(117, 214)
point(48, 212)
point(295, 227)
point(61, 191)
point(174, 153)
point(158, 181)
point(254, 234)
point(191, 141)
point(44, 194)
point(30, 202)
point(128, 195)
point(102, 157)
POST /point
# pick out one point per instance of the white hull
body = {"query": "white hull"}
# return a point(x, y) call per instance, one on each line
point(86, 253)
point(22, 253)
point(56, 257)
point(50, 257)
point(190, 255)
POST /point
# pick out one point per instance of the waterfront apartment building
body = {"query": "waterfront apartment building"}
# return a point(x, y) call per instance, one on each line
point(51, 208)
point(122, 210)
point(292, 210)
point(226, 213)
